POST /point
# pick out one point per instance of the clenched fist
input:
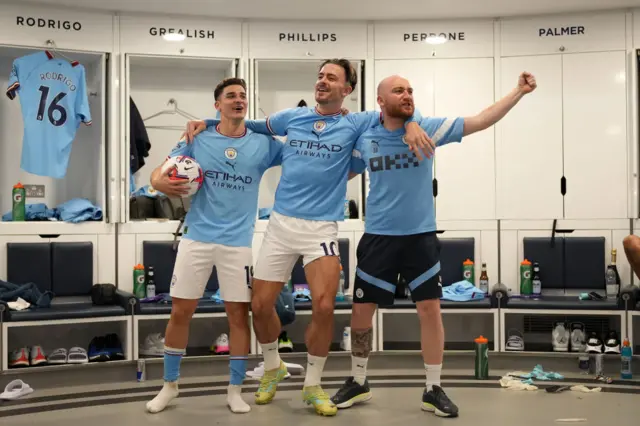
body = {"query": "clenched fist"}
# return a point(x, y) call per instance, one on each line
point(527, 82)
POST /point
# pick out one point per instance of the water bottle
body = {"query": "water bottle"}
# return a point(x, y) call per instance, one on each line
point(482, 358)
point(340, 294)
point(626, 356)
point(139, 289)
point(536, 283)
point(468, 272)
point(526, 284)
point(18, 196)
point(151, 283)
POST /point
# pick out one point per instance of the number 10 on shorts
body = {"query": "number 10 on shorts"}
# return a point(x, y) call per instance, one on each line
point(331, 250)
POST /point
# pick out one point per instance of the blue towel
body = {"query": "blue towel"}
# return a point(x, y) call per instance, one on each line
point(79, 210)
point(38, 211)
point(539, 374)
point(216, 297)
point(462, 291)
point(147, 191)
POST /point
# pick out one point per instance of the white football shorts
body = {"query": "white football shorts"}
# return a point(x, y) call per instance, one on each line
point(195, 261)
point(288, 238)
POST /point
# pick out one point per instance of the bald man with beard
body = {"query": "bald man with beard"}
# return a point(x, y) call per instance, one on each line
point(400, 232)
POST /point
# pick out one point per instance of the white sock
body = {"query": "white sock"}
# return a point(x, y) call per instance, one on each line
point(271, 355)
point(168, 392)
point(433, 375)
point(315, 365)
point(235, 401)
point(359, 369)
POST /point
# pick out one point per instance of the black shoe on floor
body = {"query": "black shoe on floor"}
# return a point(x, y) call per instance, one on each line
point(351, 393)
point(436, 401)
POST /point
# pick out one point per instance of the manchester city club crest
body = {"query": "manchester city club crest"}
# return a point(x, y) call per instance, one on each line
point(319, 126)
point(231, 153)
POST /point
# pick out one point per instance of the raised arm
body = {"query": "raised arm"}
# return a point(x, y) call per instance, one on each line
point(491, 115)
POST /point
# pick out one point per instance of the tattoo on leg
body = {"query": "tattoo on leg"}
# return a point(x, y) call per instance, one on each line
point(361, 342)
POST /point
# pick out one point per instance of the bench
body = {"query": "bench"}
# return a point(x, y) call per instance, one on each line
point(66, 270)
point(161, 255)
point(570, 266)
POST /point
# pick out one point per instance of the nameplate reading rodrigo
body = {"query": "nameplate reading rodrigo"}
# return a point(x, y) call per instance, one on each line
point(308, 37)
point(57, 24)
point(188, 33)
point(561, 31)
point(421, 37)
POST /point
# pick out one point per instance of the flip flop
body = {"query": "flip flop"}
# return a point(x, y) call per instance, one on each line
point(16, 389)
point(78, 355)
point(58, 356)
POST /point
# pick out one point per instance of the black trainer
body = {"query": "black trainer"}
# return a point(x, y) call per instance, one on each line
point(436, 401)
point(351, 393)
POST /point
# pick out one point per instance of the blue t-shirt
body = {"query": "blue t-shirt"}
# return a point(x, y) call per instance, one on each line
point(400, 200)
point(53, 99)
point(224, 210)
point(316, 159)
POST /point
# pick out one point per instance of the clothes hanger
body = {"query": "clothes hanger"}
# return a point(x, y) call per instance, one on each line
point(53, 49)
point(173, 111)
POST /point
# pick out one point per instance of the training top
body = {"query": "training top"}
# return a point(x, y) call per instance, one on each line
point(53, 99)
point(316, 159)
point(400, 200)
point(224, 210)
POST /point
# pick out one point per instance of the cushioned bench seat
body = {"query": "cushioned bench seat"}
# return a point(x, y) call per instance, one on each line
point(565, 303)
point(73, 308)
point(204, 307)
point(444, 304)
point(306, 306)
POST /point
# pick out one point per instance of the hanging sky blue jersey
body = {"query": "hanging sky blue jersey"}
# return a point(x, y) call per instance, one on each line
point(224, 210)
point(400, 200)
point(53, 99)
point(316, 159)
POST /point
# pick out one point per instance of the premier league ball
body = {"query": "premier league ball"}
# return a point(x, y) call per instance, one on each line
point(183, 167)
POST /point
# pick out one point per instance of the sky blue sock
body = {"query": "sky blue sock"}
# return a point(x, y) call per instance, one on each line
point(238, 369)
point(172, 358)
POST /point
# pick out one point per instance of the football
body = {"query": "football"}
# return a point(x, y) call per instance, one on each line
point(183, 167)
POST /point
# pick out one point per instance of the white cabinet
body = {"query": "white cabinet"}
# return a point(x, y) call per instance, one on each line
point(572, 126)
point(465, 172)
point(529, 143)
point(595, 136)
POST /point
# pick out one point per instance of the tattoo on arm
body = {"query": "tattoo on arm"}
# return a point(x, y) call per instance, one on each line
point(361, 342)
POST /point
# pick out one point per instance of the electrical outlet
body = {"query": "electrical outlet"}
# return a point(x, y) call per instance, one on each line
point(35, 191)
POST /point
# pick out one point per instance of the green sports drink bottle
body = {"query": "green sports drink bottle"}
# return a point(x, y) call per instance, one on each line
point(139, 285)
point(482, 358)
point(526, 281)
point(468, 271)
point(18, 196)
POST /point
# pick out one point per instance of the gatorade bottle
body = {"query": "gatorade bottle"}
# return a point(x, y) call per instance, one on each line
point(526, 283)
point(18, 196)
point(139, 288)
point(482, 358)
point(468, 272)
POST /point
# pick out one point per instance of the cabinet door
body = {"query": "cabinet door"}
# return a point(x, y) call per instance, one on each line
point(595, 135)
point(529, 143)
point(465, 171)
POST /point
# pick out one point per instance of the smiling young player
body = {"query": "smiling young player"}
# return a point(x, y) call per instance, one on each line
point(218, 232)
